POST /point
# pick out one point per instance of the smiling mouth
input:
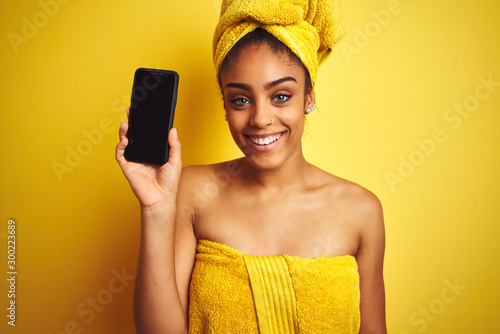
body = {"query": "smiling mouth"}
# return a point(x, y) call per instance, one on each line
point(262, 141)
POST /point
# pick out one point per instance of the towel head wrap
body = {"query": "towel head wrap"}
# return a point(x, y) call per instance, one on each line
point(309, 28)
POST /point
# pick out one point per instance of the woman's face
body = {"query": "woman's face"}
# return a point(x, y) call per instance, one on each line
point(265, 102)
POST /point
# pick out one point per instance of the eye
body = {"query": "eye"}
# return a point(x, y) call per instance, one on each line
point(240, 101)
point(281, 98)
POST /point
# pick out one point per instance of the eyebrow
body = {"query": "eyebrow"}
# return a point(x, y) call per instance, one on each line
point(266, 86)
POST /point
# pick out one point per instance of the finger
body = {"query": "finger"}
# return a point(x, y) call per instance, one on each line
point(120, 147)
point(122, 131)
point(175, 156)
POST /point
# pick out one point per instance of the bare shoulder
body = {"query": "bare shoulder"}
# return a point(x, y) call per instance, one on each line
point(193, 175)
point(201, 175)
point(362, 215)
point(358, 204)
point(363, 201)
point(194, 179)
point(369, 216)
point(200, 183)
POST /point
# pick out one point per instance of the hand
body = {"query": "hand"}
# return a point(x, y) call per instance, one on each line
point(152, 184)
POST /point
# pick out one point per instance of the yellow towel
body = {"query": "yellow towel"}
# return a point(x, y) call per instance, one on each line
point(232, 292)
point(310, 28)
point(273, 293)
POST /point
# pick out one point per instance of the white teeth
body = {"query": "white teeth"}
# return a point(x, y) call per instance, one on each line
point(266, 140)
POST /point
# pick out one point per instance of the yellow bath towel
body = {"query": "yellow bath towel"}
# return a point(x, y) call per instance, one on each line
point(310, 28)
point(232, 292)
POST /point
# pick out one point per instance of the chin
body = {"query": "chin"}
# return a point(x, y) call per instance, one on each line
point(265, 163)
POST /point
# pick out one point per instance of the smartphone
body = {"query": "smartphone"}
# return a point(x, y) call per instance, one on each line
point(151, 116)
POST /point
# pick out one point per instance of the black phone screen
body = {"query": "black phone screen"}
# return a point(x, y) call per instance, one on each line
point(154, 95)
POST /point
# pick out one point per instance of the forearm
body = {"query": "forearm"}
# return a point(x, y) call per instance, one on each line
point(157, 307)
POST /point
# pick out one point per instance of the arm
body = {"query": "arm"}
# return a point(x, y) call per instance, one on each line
point(370, 258)
point(157, 305)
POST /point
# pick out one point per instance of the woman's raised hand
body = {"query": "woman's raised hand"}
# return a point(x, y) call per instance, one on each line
point(152, 184)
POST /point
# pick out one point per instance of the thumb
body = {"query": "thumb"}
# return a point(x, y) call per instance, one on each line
point(174, 155)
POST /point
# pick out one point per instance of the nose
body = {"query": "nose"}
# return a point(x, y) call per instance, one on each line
point(262, 115)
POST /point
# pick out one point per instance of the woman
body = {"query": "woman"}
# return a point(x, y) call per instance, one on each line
point(234, 247)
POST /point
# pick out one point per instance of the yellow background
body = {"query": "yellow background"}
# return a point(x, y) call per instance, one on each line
point(388, 84)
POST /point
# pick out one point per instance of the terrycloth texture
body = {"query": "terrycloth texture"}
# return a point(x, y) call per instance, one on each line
point(310, 28)
point(325, 289)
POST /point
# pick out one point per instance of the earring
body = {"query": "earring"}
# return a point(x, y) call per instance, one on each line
point(225, 117)
point(308, 111)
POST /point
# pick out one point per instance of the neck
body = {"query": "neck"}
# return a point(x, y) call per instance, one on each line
point(289, 175)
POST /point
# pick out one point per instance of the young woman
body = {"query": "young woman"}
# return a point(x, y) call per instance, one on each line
point(236, 246)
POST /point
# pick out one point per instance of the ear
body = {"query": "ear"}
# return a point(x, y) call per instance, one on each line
point(310, 100)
